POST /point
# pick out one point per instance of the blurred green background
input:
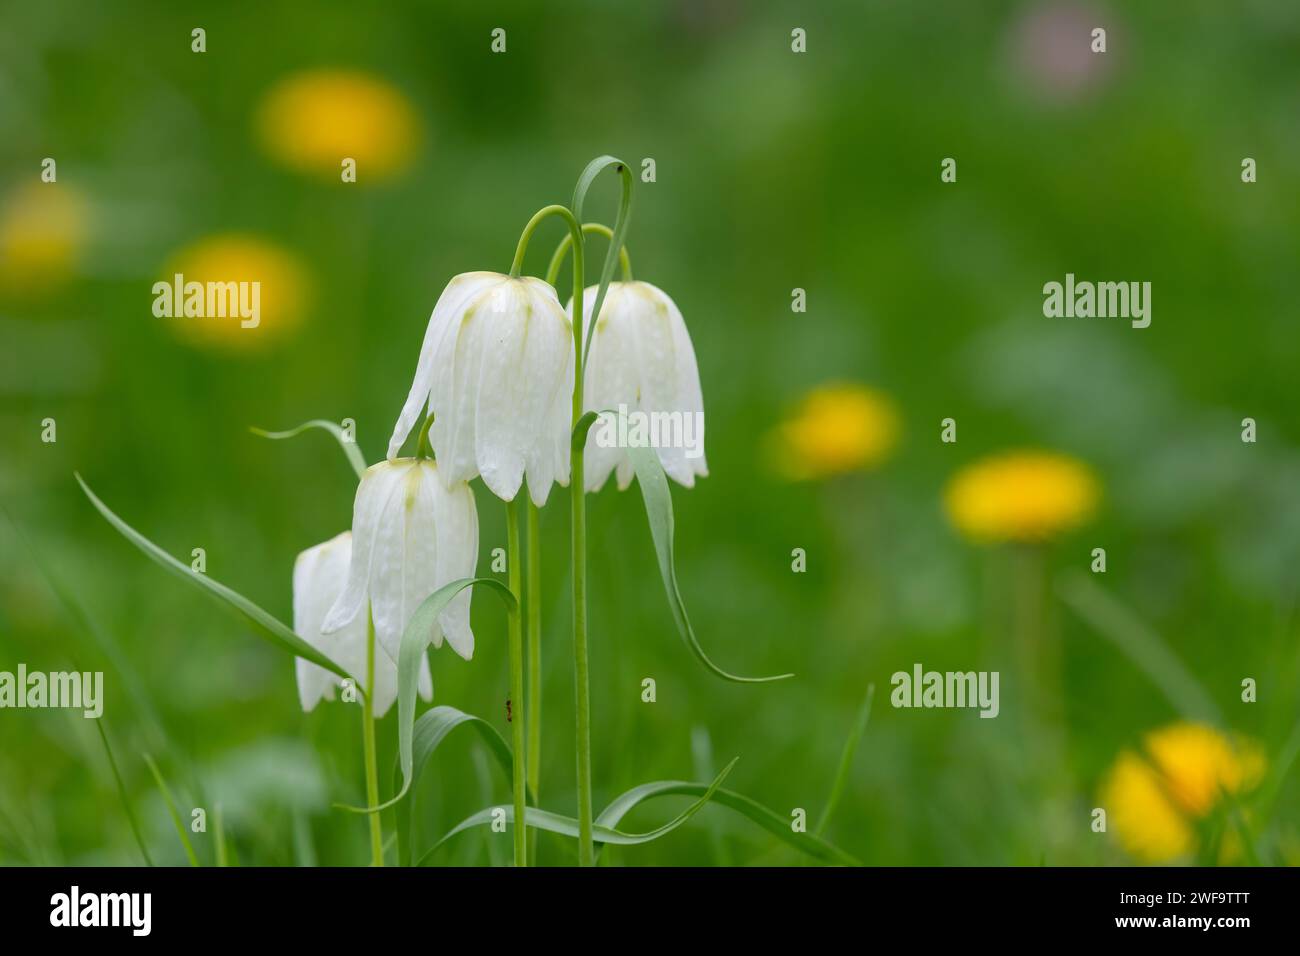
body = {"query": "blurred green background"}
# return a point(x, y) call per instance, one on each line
point(775, 170)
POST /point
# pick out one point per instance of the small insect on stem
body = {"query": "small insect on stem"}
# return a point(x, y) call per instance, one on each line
point(508, 717)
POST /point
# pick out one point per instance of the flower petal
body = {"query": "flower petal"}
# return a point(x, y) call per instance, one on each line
point(377, 486)
point(450, 304)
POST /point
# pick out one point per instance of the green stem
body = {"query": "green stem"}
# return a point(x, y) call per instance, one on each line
point(531, 227)
point(577, 479)
point(588, 228)
point(368, 740)
point(532, 602)
point(513, 560)
point(422, 447)
point(578, 531)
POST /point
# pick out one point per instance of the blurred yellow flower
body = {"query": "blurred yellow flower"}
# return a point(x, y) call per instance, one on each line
point(838, 427)
point(312, 121)
point(1021, 496)
point(42, 229)
point(1154, 800)
point(280, 296)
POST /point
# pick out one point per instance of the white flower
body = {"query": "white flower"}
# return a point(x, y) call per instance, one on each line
point(411, 536)
point(496, 370)
point(642, 359)
point(318, 578)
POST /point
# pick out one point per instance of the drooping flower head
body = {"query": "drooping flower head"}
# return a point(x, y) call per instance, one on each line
point(1021, 496)
point(496, 371)
point(319, 576)
point(1155, 799)
point(411, 535)
point(642, 361)
point(837, 428)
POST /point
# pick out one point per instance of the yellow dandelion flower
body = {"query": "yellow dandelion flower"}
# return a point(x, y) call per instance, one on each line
point(1155, 799)
point(839, 427)
point(266, 303)
point(312, 121)
point(1021, 496)
point(42, 229)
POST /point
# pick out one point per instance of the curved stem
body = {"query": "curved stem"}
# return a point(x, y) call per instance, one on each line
point(588, 228)
point(538, 218)
point(532, 603)
point(513, 560)
point(368, 740)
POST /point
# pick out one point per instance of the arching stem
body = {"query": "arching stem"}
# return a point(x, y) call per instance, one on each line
point(588, 228)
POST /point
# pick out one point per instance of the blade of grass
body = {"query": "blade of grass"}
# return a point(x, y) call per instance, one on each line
point(219, 830)
point(121, 792)
point(702, 764)
point(171, 808)
point(1141, 645)
point(846, 760)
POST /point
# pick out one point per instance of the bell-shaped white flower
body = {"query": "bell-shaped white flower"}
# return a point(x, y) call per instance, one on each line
point(411, 535)
point(641, 363)
point(496, 371)
point(319, 575)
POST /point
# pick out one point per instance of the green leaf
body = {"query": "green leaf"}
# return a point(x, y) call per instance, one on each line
point(659, 512)
point(415, 639)
point(266, 625)
point(429, 732)
point(350, 448)
point(771, 821)
point(121, 792)
point(594, 169)
point(846, 759)
point(579, 436)
point(602, 833)
point(171, 809)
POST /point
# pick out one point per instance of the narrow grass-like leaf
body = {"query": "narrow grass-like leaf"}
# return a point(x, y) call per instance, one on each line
point(1141, 645)
point(659, 512)
point(171, 808)
point(219, 835)
point(568, 826)
point(104, 641)
point(121, 792)
point(350, 448)
point(415, 639)
point(264, 623)
point(429, 732)
point(846, 760)
point(588, 176)
point(771, 821)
